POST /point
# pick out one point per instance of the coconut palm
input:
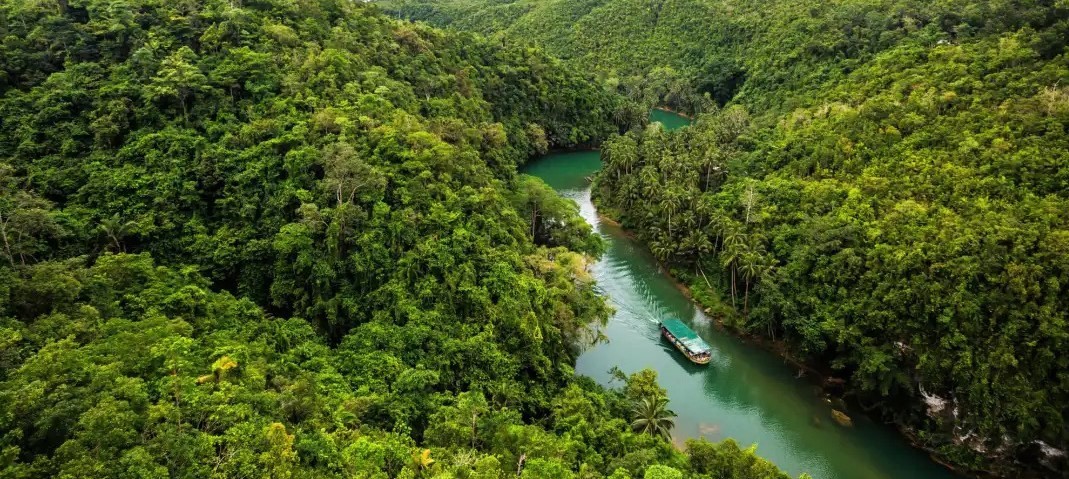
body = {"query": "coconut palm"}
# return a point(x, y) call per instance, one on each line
point(733, 247)
point(752, 270)
point(653, 417)
point(116, 230)
point(671, 201)
point(423, 459)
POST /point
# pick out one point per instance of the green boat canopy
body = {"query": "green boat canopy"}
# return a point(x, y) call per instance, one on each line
point(685, 335)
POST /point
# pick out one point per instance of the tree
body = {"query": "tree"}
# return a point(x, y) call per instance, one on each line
point(459, 424)
point(651, 416)
point(423, 459)
point(178, 77)
point(658, 471)
point(754, 267)
point(26, 221)
point(640, 385)
point(279, 459)
point(115, 229)
point(553, 221)
point(348, 177)
point(536, 135)
point(734, 245)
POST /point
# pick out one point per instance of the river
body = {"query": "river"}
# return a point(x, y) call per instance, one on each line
point(746, 393)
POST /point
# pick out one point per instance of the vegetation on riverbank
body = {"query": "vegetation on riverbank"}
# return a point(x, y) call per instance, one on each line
point(930, 274)
point(288, 239)
point(883, 187)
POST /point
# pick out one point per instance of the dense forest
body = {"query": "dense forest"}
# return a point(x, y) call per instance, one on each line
point(287, 238)
point(772, 56)
point(881, 186)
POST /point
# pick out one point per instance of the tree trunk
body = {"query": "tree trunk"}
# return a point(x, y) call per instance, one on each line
point(474, 417)
point(22, 255)
point(746, 300)
point(520, 462)
point(177, 399)
point(534, 222)
point(338, 249)
point(7, 244)
point(733, 289)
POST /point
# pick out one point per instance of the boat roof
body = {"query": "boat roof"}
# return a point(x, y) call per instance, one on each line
point(685, 335)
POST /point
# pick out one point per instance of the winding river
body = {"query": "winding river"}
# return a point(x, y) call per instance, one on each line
point(746, 393)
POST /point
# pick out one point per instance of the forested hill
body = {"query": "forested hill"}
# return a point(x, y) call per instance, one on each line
point(770, 55)
point(287, 239)
point(885, 188)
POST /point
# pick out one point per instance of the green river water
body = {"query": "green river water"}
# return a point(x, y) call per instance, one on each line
point(746, 393)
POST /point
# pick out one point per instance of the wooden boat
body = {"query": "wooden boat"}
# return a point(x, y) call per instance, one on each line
point(686, 341)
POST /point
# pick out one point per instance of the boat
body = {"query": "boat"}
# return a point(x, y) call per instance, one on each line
point(686, 341)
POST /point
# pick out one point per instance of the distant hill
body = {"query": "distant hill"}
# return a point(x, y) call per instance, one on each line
point(771, 56)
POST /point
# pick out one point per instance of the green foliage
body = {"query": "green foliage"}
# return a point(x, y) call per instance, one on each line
point(652, 416)
point(905, 232)
point(288, 239)
point(554, 220)
point(726, 459)
point(770, 56)
point(894, 209)
point(327, 163)
point(662, 472)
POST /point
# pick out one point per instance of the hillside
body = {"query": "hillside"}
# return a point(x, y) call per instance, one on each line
point(287, 239)
point(883, 189)
point(771, 56)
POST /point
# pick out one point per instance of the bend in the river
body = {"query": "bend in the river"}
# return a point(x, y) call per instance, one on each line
point(746, 393)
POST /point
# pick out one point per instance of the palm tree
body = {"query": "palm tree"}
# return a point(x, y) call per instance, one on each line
point(116, 229)
point(653, 417)
point(423, 460)
point(751, 268)
point(652, 183)
point(671, 202)
point(733, 247)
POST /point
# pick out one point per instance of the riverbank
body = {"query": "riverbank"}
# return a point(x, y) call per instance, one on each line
point(817, 375)
point(778, 348)
point(746, 394)
point(674, 112)
point(833, 389)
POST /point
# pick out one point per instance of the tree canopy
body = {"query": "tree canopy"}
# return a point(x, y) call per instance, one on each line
point(880, 184)
point(288, 239)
